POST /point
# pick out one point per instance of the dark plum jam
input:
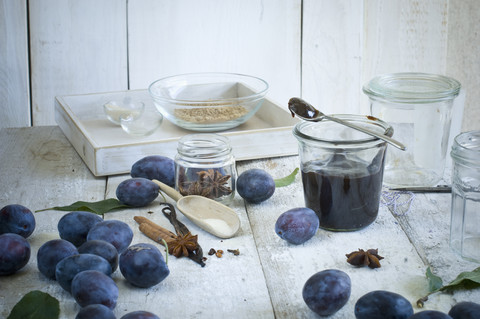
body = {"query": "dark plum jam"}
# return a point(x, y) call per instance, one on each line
point(344, 192)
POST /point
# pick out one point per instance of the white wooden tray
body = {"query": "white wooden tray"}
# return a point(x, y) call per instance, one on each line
point(107, 150)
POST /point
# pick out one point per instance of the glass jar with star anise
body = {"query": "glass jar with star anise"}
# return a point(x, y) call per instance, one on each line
point(205, 166)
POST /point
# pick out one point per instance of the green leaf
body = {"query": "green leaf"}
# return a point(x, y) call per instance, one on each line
point(100, 207)
point(287, 180)
point(36, 305)
point(465, 280)
point(434, 282)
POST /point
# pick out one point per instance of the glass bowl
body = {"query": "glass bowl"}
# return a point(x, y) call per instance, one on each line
point(144, 124)
point(208, 102)
point(115, 110)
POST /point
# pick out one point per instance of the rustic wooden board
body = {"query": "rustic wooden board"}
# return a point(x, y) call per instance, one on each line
point(251, 37)
point(14, 77)
point(76, 47)
point(39, 170)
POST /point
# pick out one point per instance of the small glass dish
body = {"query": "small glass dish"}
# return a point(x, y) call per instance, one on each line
point(208, 102)
point(144, 124)
point(114, 110)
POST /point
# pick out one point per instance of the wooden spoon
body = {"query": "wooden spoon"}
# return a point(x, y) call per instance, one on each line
point(210, 215)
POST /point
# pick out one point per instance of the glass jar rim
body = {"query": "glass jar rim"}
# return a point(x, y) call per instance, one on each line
point(367, 141)
point(466, 148)
point(412, 87)
point(204, 145)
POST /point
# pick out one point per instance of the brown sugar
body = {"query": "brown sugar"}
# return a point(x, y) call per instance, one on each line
point(211, 114)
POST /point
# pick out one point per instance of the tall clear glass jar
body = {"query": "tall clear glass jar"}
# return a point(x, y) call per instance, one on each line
point(342, 170)
point(205, 165)
point(418, 107)
point(465, 209)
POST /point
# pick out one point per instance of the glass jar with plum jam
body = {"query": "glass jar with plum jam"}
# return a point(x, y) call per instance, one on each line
point(342, 170)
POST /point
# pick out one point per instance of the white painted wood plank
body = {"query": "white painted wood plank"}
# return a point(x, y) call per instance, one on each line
point(40, 169)
point(462, 56)
point(14, 77)
point(260, 38)
point(76, 47)
point(332, 54)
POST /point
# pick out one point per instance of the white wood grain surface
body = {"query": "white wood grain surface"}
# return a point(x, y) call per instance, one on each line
point(14, 76)
point(40, 169)
point(322, 50)
point(76, 47)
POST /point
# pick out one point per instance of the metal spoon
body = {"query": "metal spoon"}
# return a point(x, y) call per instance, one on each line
point(307, 112)
point(212, 216)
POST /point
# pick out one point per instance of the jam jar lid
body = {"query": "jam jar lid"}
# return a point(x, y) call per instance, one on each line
point(411, 87)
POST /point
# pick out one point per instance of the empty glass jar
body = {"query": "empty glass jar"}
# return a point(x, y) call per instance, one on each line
point(205, 166)
point(418, 107)
point(465, 209)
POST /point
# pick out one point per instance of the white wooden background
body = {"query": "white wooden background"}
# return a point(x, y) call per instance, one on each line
point(321, 50)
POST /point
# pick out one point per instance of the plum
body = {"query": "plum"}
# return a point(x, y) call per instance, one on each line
point(95, 311)
point(103, 249)
point(297, 225)
point(143, 265)
point(255, 185)
point(465, 310)
point(155, 167)
point(74, 226)
point(17, 219)
point(115, 232)
point(14, 253)
point(70, 266)
point(51, 252)
point(381, 304)
point(140, 315)
point(137, 192)
point(430, 314)
point(327, 291)
point(91, 287)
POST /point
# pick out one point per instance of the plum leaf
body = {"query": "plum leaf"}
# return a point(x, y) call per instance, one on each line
point(100, 207)
point(36, 305)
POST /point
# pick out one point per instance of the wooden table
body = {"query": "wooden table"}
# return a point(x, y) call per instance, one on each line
point(40, 169)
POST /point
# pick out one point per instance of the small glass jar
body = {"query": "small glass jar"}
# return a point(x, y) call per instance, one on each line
point(465, 209)
point(418, 107)
point(342, 170)
point(205, 166)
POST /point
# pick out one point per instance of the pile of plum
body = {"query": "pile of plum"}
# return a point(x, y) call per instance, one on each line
point(82, 261)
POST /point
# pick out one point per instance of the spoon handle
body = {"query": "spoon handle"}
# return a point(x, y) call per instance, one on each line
point(385, 138)
point(172, 193)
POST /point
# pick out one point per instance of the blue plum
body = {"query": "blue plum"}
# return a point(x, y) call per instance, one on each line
point(430, 314)
point(465, 310)
point(17, 219)
point(143, 265)
point(14, 253)
point(155, 167)
point(70, 266)
point(74, 226)
point(51, 252)
point(140, 315)
point(91, 287)
point(255, 185)
point(297, 225)
point(115, 232)
point(327, 291)
point(95, 311)
point(381, 304)
point(103, 249)
point(137, 192)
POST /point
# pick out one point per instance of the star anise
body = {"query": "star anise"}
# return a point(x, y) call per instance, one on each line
point(183, 245)
point(211, 184)
point(369, 258)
